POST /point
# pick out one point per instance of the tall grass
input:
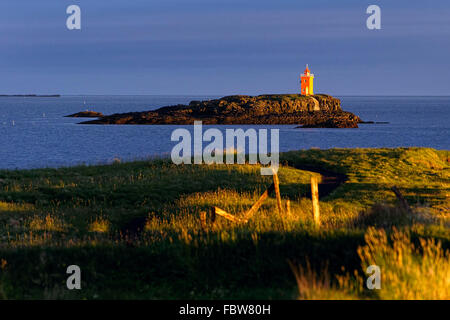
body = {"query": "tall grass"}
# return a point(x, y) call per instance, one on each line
point(408, 271)
point(3, 264)
point(313, 285)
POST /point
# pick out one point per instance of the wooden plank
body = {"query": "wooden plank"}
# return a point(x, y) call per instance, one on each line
point(276, 183)
point(228, 216)
point(404, 204)
point(258, 203)
point(315, 199)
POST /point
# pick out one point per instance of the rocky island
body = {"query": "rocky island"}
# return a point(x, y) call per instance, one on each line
point(86, 114)
point(319, 110)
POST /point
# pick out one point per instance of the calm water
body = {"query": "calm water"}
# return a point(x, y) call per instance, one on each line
point(34, 133)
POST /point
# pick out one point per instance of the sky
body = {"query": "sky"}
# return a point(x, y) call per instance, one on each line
point(221, 47)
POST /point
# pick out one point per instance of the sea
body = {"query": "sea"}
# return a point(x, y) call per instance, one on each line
point(35, 134)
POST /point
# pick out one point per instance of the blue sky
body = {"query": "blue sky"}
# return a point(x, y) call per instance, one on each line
point(221, 47)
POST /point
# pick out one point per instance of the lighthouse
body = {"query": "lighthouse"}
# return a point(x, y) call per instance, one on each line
point(307, 82)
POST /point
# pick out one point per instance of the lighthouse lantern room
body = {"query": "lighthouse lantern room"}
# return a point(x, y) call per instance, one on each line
point(307, 82)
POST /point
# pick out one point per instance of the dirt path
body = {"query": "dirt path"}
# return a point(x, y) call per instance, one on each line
point(330, 180)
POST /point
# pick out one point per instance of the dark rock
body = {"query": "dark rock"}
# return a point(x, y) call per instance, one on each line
point(86, 114)
point(341, 120)
point(374, 122)
point(238, 109)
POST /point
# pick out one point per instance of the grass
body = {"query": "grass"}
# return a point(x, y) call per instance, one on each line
point(134, 228)
point(408, 271)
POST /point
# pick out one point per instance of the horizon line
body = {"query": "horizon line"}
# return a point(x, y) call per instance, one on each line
point(210, 94)
point(44, 95)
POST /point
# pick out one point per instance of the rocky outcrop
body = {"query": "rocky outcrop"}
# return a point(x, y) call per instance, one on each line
point(342, 119)
point(319, 109)
point(86, 114)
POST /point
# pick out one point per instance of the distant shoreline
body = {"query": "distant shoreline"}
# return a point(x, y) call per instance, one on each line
point(30, 95)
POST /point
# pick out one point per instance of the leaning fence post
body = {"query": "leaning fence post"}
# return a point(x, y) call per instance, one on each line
point(315, 200)
point(276, 183)
point(258, 203)
point(226, 215)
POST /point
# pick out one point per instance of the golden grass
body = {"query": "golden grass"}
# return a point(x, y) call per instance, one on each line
point(183, 214)
point(100, 225)
point(319, 286)
point(47, 223)
point(14, 207)
point(408, 271)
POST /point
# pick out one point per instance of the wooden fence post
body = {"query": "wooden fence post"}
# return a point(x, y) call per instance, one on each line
point(276, 183)
point(288, 207)
point(212, 212)
point(203, 220)
point(315, 200)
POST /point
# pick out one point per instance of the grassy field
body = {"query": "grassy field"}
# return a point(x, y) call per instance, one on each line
point(134, 229)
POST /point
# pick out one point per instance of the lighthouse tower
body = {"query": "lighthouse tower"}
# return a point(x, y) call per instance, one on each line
point(307, 82)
